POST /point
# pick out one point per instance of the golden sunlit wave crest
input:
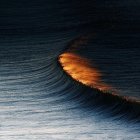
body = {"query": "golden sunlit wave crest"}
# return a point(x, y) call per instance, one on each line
point(81, 70)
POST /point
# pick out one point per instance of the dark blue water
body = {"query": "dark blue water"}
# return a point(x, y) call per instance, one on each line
point(37, 99)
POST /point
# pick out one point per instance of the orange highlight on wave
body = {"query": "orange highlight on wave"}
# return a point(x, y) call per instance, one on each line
point(81, 70)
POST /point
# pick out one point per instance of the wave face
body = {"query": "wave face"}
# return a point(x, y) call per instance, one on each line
point(81, 70)
point(38, 100)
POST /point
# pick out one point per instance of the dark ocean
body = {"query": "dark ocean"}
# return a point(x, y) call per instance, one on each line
point(38, 100)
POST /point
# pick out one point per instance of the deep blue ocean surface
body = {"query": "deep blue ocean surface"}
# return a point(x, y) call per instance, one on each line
point(38, 100)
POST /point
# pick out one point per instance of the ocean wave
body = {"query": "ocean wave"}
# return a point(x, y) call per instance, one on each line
point(38, 99)
point(81, 70)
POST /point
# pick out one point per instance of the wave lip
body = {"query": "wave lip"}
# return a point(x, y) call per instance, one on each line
point(81, 70)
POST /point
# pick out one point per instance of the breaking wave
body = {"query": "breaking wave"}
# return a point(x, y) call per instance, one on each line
point(81, 70)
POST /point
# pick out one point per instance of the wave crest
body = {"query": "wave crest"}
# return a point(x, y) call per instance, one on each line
point(81, 70)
